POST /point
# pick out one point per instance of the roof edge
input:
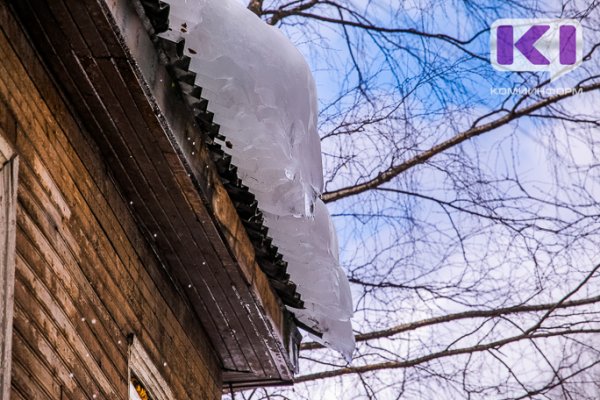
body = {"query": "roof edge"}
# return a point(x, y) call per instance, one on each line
point(188, 137)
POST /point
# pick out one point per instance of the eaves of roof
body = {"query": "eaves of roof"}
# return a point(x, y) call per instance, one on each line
point(136, 98)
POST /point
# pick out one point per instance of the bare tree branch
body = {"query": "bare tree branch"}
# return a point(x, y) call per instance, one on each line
point(475, 131)
point(492, 313)
point(474, 242)
point(441, 354)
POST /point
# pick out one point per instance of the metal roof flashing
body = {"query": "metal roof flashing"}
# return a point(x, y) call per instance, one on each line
point(171, 46)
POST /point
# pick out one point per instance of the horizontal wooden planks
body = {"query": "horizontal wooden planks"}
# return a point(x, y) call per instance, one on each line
point(84, 157)
point(77, 261)
point(125, 165)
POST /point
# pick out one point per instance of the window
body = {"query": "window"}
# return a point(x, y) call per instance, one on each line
point(137, 390)
point(145, 380)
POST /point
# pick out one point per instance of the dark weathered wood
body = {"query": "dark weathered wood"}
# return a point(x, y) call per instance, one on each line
point(39, 331)
point(68, 313)
point(31, 375)
point(8, 124)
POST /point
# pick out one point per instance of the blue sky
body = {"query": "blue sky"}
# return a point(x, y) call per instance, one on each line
point(412, 240)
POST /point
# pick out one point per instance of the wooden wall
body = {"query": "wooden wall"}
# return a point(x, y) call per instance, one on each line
point(85, 278)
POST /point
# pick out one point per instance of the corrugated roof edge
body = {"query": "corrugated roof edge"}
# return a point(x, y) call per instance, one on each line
point(267, 255)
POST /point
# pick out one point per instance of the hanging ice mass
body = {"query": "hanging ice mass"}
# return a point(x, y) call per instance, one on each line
point(263, 96)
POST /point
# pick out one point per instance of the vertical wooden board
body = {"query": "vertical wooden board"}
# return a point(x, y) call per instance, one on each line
point(144, 368)
point(8, 191)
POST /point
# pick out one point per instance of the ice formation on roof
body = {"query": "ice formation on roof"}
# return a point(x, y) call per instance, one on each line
point(263, 96)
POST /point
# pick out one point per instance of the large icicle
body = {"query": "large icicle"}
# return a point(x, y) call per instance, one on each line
point(263, 96)
point(310, 246)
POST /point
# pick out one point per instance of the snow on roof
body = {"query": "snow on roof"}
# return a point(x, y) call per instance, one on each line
point(263, 96)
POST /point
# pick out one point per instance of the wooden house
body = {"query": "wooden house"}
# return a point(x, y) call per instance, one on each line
point(131, 254)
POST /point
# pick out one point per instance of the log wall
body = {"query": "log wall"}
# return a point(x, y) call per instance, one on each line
point(85, 278)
